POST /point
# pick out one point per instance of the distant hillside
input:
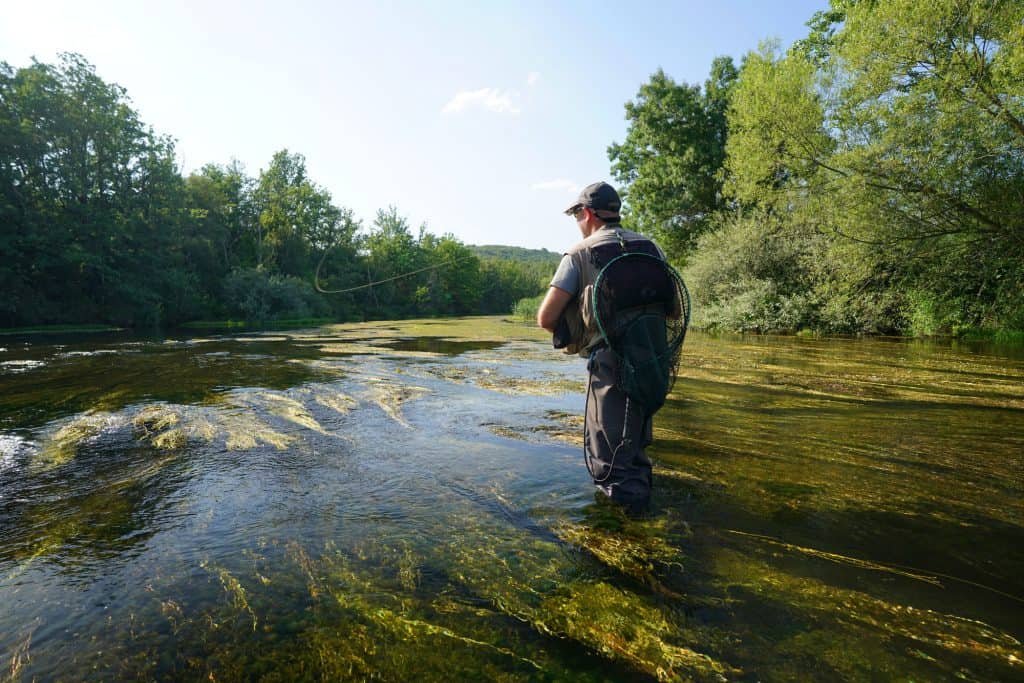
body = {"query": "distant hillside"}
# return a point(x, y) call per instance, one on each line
point(521, 254)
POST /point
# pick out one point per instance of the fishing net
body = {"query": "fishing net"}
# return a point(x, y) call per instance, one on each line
point(642, 309)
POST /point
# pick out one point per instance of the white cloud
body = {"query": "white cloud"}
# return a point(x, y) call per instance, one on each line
point(558, 184)
point(489, 99)
point(532, 78)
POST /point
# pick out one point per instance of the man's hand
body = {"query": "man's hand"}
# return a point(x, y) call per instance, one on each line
point(551, 308)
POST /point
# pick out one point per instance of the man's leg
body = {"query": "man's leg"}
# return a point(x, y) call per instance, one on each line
point(615, 434)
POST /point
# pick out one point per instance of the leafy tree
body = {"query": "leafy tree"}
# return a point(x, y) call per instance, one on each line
point(391, 251)
point(90, 197)
point(452, 288)
point(778, 139)
point(295, 217)
point(223, 217)
point(896, 129)
point(754, 274)
point(257, 295)
point(670, 162)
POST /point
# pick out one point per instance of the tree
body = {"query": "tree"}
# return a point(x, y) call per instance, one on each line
point(670, 163)
point(453, 287)
point(295, 217)
point(221, 202)
point(391, 250)
point(895, 128)
point(89, 198)
point(779, 143)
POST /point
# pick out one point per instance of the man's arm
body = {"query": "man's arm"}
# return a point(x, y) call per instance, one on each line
point(551, 307)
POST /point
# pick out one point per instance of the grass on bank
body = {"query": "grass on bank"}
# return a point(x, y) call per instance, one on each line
point(1007, 337)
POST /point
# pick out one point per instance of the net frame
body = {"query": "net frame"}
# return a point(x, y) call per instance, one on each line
point(676, 326)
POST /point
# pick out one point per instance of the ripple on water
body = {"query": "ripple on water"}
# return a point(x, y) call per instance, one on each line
point(10, 447)
point(85, 354)
point(17, 366)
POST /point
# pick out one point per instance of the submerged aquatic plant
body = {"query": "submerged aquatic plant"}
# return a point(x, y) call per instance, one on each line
point(233, 588)
point(20, 656)
point(61, 446)
point(389, 396)
point(329, 397)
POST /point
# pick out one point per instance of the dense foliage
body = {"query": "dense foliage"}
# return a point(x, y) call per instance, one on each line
point(98, 225)
point(872, 177)
point(671, 159)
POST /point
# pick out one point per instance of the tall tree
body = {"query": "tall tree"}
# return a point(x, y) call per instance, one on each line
point(897, 128)
point(670, 162)
point(295, 219)
point(391, 250)
point(453, 286)
point(85, 185)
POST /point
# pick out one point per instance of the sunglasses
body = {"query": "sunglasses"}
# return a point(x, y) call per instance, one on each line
point(576, 212)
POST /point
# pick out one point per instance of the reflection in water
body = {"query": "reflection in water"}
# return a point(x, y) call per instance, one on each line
point(408, 500)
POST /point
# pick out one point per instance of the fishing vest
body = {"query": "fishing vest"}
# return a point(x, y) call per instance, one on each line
point(588, 257)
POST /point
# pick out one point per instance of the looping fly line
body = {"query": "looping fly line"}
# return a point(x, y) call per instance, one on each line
point(316, 276)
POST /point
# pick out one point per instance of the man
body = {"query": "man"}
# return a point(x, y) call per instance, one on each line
point(616, 430)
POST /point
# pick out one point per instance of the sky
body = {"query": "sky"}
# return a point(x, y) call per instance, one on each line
point(481, 119)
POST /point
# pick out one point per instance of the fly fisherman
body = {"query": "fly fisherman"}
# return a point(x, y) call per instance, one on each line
point(616, 430)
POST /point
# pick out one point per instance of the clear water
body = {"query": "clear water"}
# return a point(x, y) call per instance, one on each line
point(408, 501)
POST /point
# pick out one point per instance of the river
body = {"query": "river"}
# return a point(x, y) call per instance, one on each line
point(408, 500)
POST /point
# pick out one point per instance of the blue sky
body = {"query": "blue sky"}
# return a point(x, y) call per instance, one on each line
point(478, 118)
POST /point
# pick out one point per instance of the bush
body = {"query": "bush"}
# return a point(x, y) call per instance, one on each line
point(750, 274)
point(256, 295)
point(526, 309)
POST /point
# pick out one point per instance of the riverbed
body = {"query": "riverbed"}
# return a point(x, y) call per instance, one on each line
point(408, 500)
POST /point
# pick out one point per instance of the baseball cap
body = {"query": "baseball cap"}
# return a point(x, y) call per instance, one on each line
point(601, 197)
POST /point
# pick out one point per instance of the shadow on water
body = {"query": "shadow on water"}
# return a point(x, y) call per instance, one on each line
point(442, 345)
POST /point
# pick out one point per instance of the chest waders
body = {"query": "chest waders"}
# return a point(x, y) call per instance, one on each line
point(641, 308)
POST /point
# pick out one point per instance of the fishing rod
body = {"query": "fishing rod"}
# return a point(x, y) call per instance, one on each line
point(316, 276)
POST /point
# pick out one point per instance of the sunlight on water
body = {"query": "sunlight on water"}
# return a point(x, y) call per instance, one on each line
point(408, 501)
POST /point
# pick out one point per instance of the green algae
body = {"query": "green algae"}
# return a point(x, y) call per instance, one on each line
point(291, 410)
point(234, 591)
point(20, 657)
point(883, 629)
point(389, 396)
point(641, 551)
point(171, 427)
point(613, 622)
point(493, 379)
point(533, 585)
point(472, 328)
point(334, 399)
point(557, 426)
point(61, 446)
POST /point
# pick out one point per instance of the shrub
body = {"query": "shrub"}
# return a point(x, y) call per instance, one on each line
point(750, 274)
point(526, 309)
point(256, 295)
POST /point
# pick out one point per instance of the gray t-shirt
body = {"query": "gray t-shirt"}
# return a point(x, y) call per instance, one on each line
point(567, 276)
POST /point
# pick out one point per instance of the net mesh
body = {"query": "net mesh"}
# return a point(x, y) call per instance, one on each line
point(642, 309)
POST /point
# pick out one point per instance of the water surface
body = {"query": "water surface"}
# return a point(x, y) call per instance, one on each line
point(408, 500)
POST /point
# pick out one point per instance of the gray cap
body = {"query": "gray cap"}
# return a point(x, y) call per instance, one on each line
point(601, 197)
